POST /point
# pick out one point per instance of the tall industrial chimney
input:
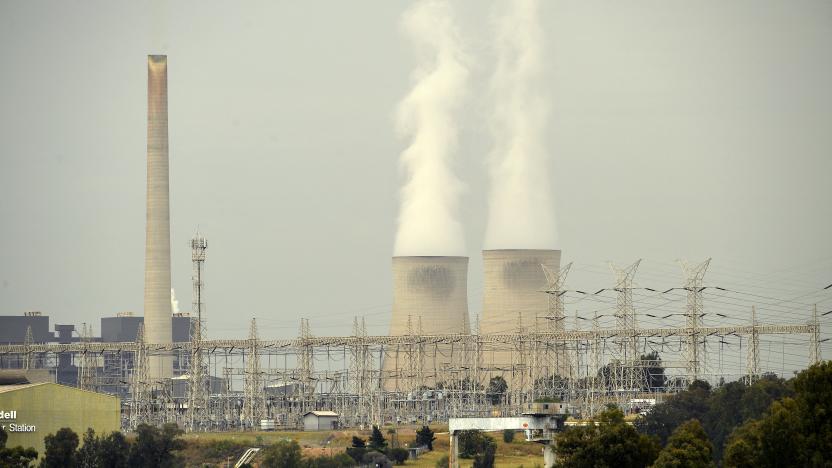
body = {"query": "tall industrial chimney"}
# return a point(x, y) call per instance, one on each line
point(513, 281)
point(157, 303)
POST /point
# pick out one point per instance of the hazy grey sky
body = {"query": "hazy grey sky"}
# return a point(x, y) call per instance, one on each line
point(677, 130)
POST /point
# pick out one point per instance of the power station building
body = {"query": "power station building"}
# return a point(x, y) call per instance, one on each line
point(31, 411)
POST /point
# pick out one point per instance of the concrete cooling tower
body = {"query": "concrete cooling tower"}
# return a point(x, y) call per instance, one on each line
point(513, 280)
point(157, 304)
point(431, 292)
point(433, 288)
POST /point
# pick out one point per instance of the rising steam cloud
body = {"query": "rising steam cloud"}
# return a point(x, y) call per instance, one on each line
point(428, 223)
point(521, 211)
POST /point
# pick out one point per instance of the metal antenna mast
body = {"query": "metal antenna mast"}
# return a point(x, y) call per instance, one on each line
point(197, 382)
point(625, 376)
point(694, 350)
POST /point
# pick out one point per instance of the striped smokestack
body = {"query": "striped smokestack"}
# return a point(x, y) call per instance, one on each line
point(157, 302)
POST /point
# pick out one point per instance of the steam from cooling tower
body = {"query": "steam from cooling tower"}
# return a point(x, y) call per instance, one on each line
point(428, 223)
point(174, 302)
point(520, 203)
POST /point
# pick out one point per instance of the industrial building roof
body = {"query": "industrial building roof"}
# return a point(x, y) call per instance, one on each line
point(11, 388)
point(323, 413)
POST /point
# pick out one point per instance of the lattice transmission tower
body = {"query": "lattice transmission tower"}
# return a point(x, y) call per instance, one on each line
point(626, 373)
point(252, 394)
point(694, 350)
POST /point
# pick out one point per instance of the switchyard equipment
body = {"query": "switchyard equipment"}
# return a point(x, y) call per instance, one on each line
point(438, 376)
point(540, 422)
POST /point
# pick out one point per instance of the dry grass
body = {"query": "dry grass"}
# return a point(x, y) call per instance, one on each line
point(511, 455)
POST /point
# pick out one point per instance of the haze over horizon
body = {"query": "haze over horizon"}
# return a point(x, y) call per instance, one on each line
point(675, 131)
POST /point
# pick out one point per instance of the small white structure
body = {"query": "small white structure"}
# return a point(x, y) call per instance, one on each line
point(320, 421)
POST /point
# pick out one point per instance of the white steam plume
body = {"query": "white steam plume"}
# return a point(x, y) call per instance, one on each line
point(174, 303)
point(521, 211)
point(428, 223)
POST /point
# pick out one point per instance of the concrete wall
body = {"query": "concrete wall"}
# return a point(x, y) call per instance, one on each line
point(50, 406)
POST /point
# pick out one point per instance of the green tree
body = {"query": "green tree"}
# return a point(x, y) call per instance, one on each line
point(358, 449)
point(472, 442)
point(282, 454)
point(814, 394)
point(398, 455)
point(60, 449)
point(88, 452)
point(485, 457)
point(497, 387)
point(154, 448)
point(610, 442)
point(664, 418)
point(687, 447)
point(425, 438)
point(652, 371)
point(15, 457)
point(376, 460)
point(377, 441)
point(113, 451)
point(793, 431)
point(736, 402)
point(508, 435)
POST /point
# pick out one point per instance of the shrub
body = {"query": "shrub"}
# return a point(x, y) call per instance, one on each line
point(398, 455)
point(442, 462)
point(508, 435)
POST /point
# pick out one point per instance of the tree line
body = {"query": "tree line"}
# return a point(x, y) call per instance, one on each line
point(152, 448)
point(770, 422)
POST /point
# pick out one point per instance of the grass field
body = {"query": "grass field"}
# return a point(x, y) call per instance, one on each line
point(214, 449)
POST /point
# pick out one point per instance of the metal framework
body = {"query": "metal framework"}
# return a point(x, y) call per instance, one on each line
point(198, 373)
point(435, 376)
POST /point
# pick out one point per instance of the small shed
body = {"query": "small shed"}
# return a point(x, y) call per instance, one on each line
point(320, 421)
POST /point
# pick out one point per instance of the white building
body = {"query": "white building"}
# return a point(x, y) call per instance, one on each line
point(320, 421)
